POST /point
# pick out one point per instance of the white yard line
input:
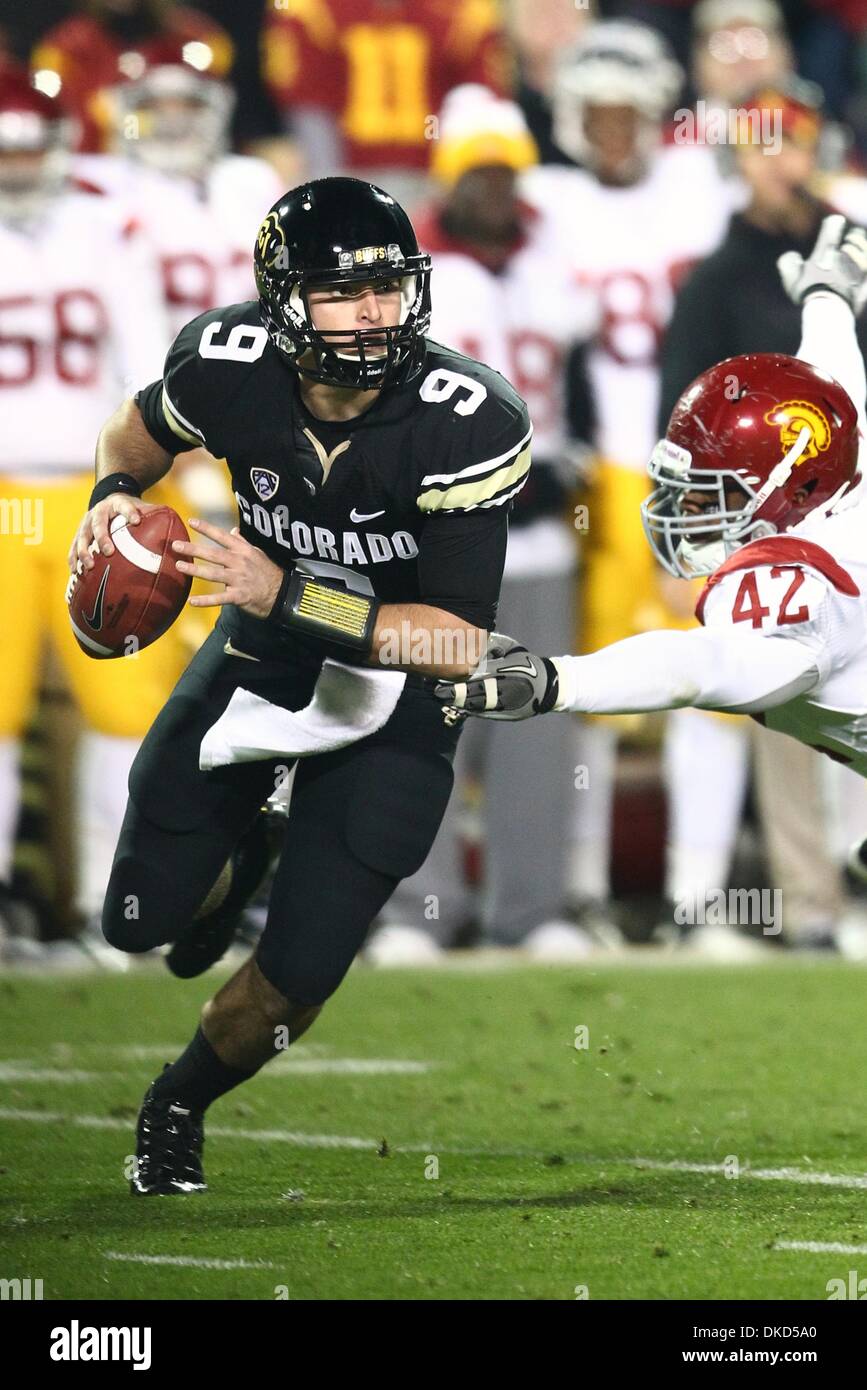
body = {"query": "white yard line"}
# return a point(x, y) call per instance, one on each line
point(296, 1139)
point(25, 1071)
point(288, 1066)
point(348, 1066)
point(261, 1136)
point(821, 1247)
point(799, 1175)
point(187, 1261)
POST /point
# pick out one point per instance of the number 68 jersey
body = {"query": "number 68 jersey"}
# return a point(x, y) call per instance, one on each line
point(81, 325)
point(408, 501)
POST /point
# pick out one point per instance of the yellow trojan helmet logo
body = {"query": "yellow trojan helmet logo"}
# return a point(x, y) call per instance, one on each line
point(794, 416)
point(271, 239)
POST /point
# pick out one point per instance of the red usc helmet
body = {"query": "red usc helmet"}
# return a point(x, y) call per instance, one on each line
point(781, 432)
point(171, 109)
point(36, 138)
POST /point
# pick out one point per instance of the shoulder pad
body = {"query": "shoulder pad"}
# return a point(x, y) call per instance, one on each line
point(781, 550)
point(206, 364)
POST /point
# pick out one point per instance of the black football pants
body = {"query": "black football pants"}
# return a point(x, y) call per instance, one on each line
point(360, 820)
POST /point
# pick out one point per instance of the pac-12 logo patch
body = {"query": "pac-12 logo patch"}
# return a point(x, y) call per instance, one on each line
point(265, 482)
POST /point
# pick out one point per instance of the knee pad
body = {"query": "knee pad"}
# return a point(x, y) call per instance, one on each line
point(127, 924)
point(149, 898)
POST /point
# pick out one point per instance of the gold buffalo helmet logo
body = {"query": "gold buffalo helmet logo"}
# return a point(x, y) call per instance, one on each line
point(271, 239)
point(794, 416)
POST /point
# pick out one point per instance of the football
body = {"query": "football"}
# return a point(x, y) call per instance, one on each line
point(132, 597)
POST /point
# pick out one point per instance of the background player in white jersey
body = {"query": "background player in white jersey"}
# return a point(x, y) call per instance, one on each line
point(81, 325)
point(505, 296)
point(199, 204)
point(759, 488)
point(633, 220)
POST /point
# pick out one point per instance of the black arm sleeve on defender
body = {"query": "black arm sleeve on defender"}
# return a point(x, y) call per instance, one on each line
point(150, 403)
point(460, 563)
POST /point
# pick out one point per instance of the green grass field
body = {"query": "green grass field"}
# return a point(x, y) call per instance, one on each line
point(539, 1145)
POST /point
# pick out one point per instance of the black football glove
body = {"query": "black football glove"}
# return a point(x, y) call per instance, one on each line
point(510, 683)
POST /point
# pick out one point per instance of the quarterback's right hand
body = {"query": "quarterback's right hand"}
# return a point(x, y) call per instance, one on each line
point(510, 683)
point(837, 265)
point(95, 524)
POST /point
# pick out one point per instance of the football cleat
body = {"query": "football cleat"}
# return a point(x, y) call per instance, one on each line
point(209, 936)
point(169, 1142)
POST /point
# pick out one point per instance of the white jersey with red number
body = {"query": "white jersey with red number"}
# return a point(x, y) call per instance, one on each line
point(810, 586)
point(632, 246)
point(203, 234)
point(521, 320)
point(81, 327)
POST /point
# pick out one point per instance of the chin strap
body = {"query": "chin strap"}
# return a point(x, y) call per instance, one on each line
point(780, 473)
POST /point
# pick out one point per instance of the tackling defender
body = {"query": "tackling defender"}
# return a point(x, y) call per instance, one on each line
point(373, 471)
point(758, 487)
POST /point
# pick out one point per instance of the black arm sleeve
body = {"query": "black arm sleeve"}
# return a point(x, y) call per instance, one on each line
point(460, 563)
point(150, 403)
point(696, 338)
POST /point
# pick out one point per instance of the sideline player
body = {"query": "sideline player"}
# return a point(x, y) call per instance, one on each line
point(758, 487)
point(81, 324)
point(373, 471)
point(633, 219)
point(505, 297)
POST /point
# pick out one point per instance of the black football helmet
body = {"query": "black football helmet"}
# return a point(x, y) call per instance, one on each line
point(335, 231)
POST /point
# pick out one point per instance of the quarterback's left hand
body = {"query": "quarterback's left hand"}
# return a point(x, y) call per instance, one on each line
point(510, 683)
point(252, 580)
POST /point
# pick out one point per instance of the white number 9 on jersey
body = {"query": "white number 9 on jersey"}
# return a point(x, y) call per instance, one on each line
point(441, 385)
point(245, 343)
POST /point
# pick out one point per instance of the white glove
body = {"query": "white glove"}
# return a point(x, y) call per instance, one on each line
point(836, 265)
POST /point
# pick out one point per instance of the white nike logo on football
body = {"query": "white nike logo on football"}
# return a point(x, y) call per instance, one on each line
point(364, 516)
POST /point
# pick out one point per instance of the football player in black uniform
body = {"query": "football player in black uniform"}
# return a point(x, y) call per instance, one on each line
point(373, 471)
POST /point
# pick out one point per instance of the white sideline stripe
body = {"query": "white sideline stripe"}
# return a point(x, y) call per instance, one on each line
point(800, 1175)
point(21, 1071)
point(133, 550)
point(354, 1141)
point(291, 1066)
point(190, 1261)
point(821, 1247)
point(260, 1136)
point(348, 1066)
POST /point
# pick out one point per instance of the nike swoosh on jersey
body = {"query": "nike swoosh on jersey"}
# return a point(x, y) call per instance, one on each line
point(94, 619)
point(364, 516)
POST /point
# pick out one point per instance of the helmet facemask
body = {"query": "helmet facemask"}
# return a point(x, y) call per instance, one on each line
point(26, 189)
point(689, 545)
point(362, 359)
point(180, 143)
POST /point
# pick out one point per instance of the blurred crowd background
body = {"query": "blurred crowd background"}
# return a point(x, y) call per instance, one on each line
point(603, 227)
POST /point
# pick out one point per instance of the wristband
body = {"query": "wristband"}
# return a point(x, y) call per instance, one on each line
point(115, 482)
point(549, 699)
point(325, 608)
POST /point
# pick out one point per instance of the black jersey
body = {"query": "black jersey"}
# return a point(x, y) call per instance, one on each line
point(412, 496)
